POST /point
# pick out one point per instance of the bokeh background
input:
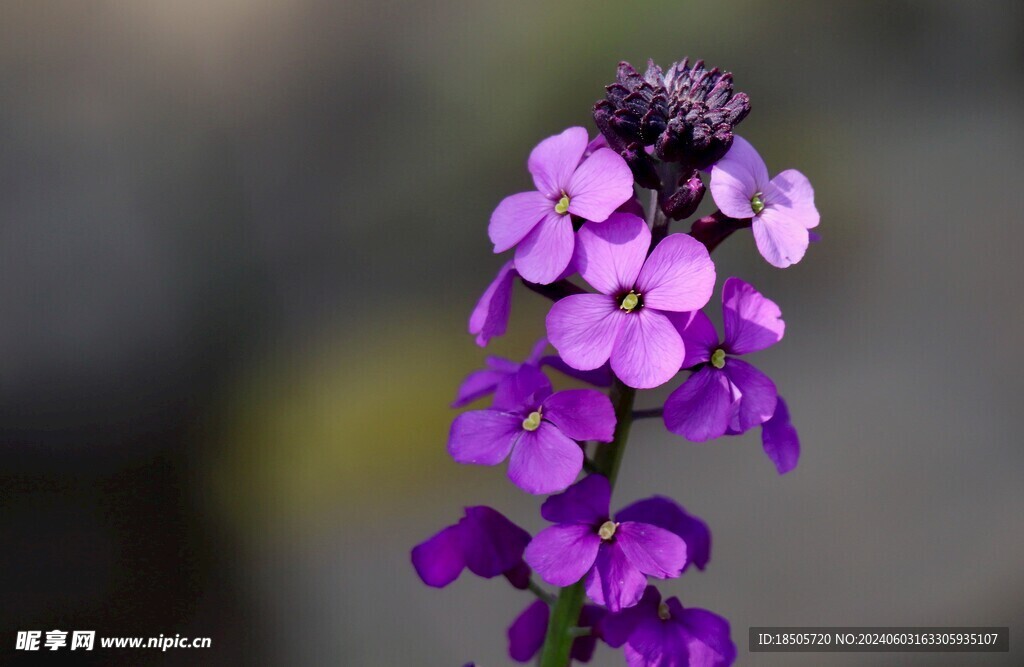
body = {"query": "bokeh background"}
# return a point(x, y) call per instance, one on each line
point(239, 241)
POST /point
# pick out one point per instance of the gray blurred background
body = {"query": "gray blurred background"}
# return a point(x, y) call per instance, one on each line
point(239, 241)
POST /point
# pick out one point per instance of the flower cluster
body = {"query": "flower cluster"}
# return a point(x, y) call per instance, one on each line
point(627, 313)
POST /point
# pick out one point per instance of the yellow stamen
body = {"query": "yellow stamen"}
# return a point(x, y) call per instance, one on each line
point(607, 530)
point(663, 612)
point(718, 358)
point(562, 207)
point(757, 203)
point(532, 423)
point(629, 302)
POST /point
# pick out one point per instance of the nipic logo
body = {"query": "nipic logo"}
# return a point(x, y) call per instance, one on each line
point(29, 640)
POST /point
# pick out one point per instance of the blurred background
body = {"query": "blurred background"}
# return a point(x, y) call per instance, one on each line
point(239, 241)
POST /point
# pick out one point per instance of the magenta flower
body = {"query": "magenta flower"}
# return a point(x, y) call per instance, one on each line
point(538, 223)
point(535, 429)
point(664, 634)
point(526, 634)
point(483, 540)
point(626, 322)
point(782, 208)
point(726, 394)
point(615, 556)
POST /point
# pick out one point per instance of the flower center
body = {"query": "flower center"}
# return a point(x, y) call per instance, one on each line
point(562, 207)
point(718, 358)
point(630, 301)
point(607, 530)
point(757, 203)
point(663, 612)
point(532, 423)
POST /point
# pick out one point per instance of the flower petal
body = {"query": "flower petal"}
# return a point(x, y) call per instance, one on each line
point(737, 177)
point(584, 502)
point(491, 543)
point(583, 328)
point(581, 414)
point(523, 390)
point(609, 255)
point(614, 582)
point(616, 627)
point(599, 377)
point(562, 554)
point(439, 560)
point(699, 408)
point(666, 513)
point(648, 351)
point(780, 238)
point(654, 551)
point(483, 437)
point(542, 256)
point(707, 636)
point(545, 460)
point(780, 439)
point(515, 217)
point(553, 161)
point(758, 395)
point(601, 184)
point(654, 643)
point(791, 189)
point(752, 322)
point(679, 275)
point(490, 316)
point(698, 333)
point(477, 385)
point(526, 634)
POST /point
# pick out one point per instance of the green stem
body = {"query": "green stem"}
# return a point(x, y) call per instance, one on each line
point(607, 460)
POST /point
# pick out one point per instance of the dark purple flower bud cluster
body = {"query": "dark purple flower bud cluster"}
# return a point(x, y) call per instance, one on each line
point(684, 116)
point(628, 315)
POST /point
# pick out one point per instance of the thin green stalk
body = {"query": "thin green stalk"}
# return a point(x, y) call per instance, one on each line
point(607, 460)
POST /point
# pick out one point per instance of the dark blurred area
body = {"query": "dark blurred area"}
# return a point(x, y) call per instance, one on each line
point(239, 241)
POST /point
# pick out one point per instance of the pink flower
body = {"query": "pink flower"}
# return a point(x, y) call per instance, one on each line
point(626, 322)
point(782, 208)
point(538, 223)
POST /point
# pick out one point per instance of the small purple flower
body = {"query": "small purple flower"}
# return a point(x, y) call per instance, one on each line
point(538, 223)
point(726, 394)
point(626, 321)
point(615, 556)
point(485, 381)
point(535, 429)
point(526, 634)
point(780, 440)
point(782, 208)
point(664, 634)
point(490, 316)
point(484, 541)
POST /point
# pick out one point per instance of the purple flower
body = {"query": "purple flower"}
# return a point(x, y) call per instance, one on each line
point(615, 556)
point(490, 316)
point(664, 634)
point(535, 429)
point(782, 208)
point(483, 540)
point(780, 440)
point(485, 381)
point(526, 634)
point(626, 322)
point(726, 394)
point(538, 223)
